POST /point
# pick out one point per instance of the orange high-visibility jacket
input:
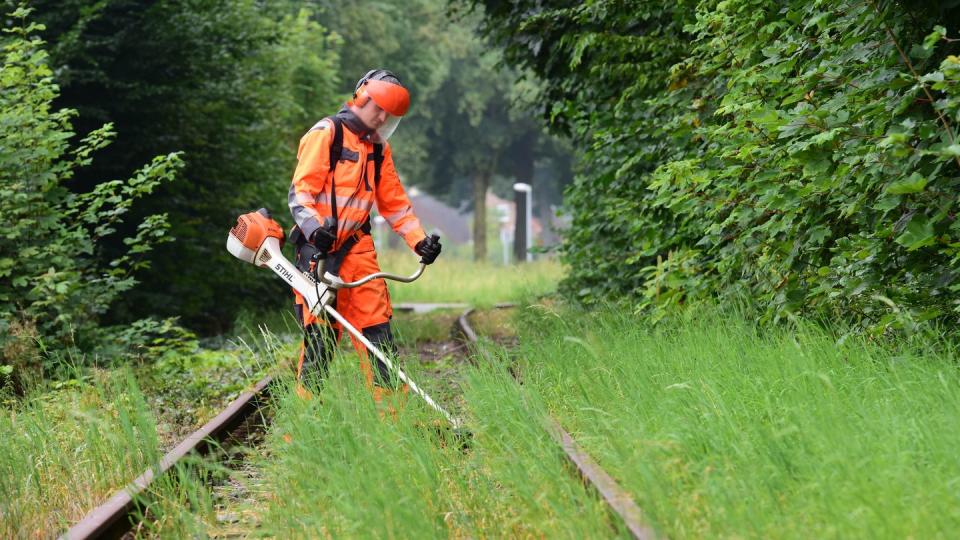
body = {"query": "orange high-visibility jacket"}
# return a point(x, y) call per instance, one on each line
point(309, 197)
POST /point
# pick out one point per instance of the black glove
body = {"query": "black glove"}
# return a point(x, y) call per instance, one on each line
point(428, 249)
point(323, 239)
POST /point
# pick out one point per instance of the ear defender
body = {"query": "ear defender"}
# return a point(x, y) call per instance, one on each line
point(360, 95)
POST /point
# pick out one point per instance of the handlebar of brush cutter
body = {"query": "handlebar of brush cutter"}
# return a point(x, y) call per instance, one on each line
point(338, 283)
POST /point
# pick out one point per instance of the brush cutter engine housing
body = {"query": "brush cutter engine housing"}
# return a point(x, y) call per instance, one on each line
point(258, 239)
point(251, 231)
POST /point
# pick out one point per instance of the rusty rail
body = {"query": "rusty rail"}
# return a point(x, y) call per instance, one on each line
point(111, 519)
point(618, 499)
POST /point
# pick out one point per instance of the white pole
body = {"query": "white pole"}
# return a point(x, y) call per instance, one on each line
point(505, 233)
point(527, 213)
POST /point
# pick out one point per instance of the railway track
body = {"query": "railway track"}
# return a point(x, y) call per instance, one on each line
point(112, 519)
point(618, 499)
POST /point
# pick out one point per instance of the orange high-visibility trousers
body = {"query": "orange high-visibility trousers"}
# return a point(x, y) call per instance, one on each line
point(366, 307)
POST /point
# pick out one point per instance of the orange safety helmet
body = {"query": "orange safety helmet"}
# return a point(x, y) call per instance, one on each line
point(385, 89)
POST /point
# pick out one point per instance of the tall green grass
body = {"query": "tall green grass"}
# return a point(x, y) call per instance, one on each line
point(67, 447)
point(343, 467)
point(195, 498)
point(453, 279)
point(65, 452)
point(723, 430)
point(184, 502)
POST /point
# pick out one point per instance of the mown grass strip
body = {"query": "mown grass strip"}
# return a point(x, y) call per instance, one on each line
point(481, 284)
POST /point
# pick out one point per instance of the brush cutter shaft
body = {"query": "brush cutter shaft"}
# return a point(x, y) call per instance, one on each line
point(386, 361)
point(320, 297)
point(329, 282)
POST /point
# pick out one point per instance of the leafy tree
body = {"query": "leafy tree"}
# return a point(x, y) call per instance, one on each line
point(478, 134)
point(232, 84)
point(55, 282)
point(797, 153)
point(469, 122)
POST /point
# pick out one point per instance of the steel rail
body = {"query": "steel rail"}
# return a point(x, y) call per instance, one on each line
point(424, 307)
point(111, 519)
point(618, 499)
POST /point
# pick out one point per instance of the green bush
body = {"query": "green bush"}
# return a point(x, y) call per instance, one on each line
point(54, 283)
point(801, 154)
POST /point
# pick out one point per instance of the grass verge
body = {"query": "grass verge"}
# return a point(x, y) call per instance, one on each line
point(452, 279)
point(64, 452)
point(720, 429)
point(69, 445)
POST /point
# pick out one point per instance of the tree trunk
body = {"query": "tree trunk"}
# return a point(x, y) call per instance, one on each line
point(481, 180)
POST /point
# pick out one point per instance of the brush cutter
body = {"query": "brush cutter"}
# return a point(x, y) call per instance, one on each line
point(257, 239)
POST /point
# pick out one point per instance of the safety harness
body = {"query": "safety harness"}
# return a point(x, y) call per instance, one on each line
point(335, 258)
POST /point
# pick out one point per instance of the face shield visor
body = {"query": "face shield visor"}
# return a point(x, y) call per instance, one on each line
point(388, 127)
point(392, 98)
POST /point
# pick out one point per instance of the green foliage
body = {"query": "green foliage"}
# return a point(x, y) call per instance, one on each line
point(230, 83)
point(802, 154)
point(471, 125)
point(148, 339)
point(55, 282)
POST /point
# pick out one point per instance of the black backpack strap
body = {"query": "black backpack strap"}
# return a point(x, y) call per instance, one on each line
point(336, 145)
point(336, 150)
point(377, 162)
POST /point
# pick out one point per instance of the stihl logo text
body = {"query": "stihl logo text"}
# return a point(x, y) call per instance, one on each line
point(284, 272)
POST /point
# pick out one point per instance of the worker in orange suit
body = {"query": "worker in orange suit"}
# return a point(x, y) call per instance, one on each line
point(344, 168)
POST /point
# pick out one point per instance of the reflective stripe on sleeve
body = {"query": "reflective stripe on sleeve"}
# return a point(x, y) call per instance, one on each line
point(396, 216)
point(408, 226)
